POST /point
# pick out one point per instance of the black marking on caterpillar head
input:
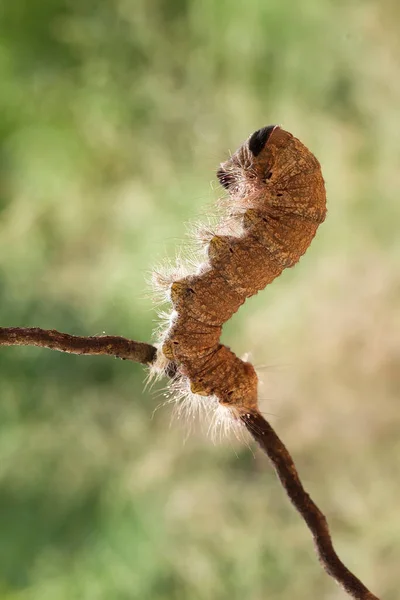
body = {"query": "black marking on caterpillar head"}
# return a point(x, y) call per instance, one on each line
point(259, 139)
point(225, 179)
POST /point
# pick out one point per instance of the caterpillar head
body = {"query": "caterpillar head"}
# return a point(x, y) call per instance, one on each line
point(246, 165)
point(274, 168)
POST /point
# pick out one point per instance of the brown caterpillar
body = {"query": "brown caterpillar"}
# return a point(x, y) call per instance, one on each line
point(276, 201)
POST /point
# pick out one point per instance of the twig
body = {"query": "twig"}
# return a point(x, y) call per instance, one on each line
point(258, 427)
point(111, 345)
point(283, 463)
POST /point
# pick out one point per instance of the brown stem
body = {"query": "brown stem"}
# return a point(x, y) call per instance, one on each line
point(111, 345)
point(258, 427)
point(283, 463)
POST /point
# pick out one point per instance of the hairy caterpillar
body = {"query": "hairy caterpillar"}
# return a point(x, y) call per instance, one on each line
point(276, 202)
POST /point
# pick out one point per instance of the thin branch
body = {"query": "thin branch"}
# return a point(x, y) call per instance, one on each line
point(258, 427)
point(283, 463)
point(111, 345)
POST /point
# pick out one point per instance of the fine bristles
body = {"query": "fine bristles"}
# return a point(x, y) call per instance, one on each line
point(225, 420)
point(164, 275)
point(188, 404)
point(227, 220)
point(232, 225)
point(202, 232)
point(188, 407)
point(157, 369)
point(165, 320)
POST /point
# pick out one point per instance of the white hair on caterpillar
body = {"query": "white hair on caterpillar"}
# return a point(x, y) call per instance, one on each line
point(221, 419)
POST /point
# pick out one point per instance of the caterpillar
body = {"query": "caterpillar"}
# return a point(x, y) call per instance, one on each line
point(275, 202)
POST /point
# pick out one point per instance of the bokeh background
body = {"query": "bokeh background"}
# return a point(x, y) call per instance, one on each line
point(113, 119)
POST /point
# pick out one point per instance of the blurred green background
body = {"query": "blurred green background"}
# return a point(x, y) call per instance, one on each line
point(113, 119)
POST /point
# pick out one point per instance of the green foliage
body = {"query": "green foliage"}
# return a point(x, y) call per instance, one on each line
point(113, 119)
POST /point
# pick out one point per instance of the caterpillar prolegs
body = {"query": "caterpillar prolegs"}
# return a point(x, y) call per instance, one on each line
point(276, 200)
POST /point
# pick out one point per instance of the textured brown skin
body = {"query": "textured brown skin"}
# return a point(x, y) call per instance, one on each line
point(279, 197)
